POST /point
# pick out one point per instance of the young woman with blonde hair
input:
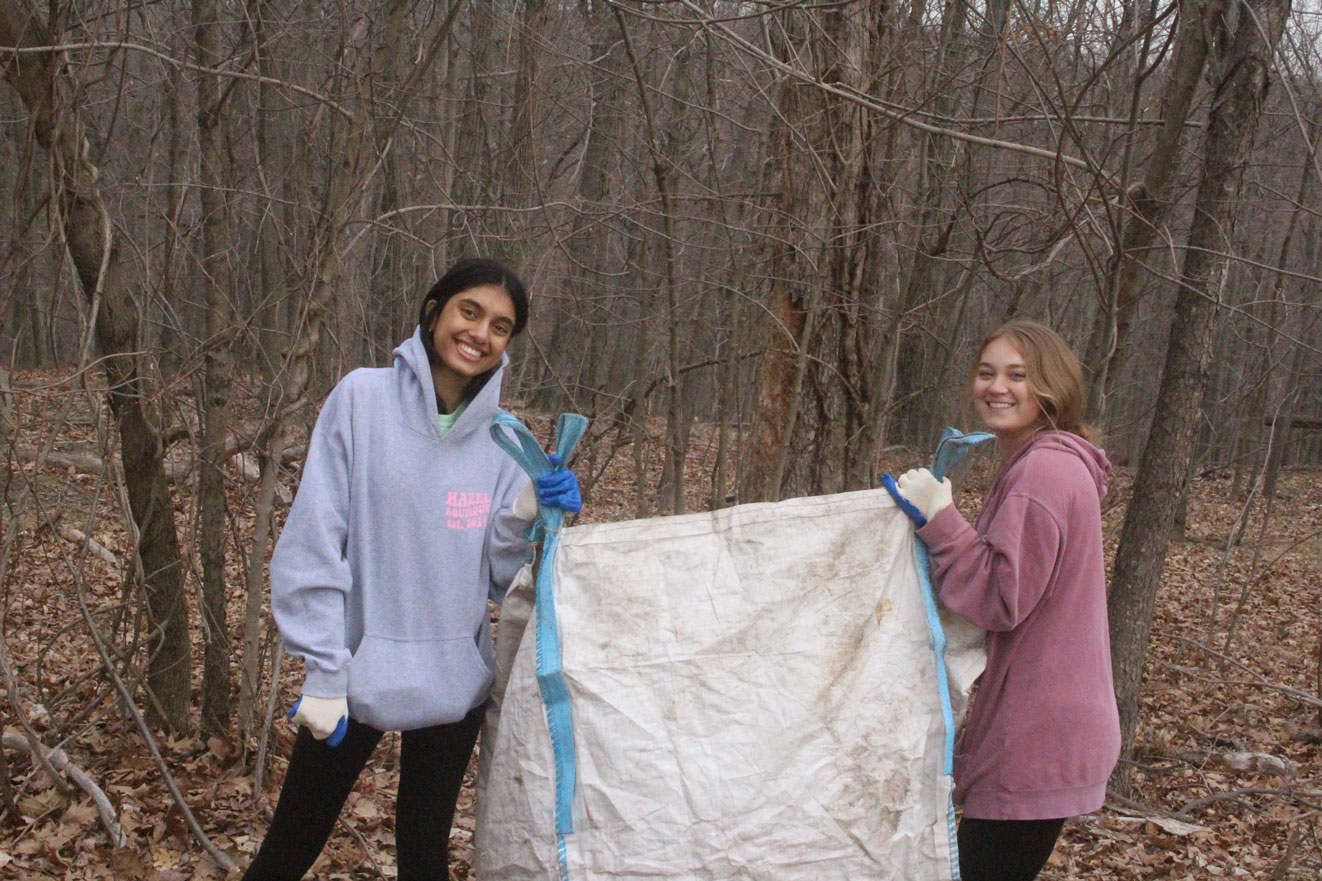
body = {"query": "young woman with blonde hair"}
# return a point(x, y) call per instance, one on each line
point(1043, 733)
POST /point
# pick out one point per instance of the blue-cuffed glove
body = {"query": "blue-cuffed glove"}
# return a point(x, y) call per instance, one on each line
point(326, 717)
point(559, 489)
point(919, 494)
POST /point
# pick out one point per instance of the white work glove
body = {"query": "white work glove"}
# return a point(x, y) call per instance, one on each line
point(525, 506)
point(321, 714)
point(929, 495)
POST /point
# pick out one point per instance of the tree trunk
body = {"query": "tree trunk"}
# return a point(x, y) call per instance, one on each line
point(389, 294)
point(28, 317)
point(216, 368)
point(819, 386)
point(90, 239)
point(271, 334)
point(1148, 204)
point(676, 430)
point(520, 183)
point(589, 325)
point(471, 231)
point(1164, 468)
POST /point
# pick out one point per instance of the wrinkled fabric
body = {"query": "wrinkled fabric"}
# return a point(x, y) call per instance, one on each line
point(753, 694)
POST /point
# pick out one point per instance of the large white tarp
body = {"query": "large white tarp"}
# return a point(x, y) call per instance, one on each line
point(754, 697)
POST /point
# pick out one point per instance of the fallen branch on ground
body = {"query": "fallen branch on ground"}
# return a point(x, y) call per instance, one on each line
point(94, 547)
point(59, 760)
point(1243, 760)
point(16, 707)
point(221, 858)
point(235, 451)
point(83, 463)
point(1258, 678)
point(1283, 867)
point(1236, 794)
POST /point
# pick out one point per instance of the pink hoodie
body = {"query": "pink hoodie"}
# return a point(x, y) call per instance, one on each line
point(1043, 733)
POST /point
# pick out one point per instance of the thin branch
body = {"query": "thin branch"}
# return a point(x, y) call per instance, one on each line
point(89, 545)
point(903, 116)
point(184, 65)
point(1236, 794)
point(59, 760)
point(11, 685)
point(222, 859)
point(1258, 678)
point(264, 740)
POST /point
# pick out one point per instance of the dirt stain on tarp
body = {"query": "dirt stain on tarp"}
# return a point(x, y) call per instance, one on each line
point(883, 609)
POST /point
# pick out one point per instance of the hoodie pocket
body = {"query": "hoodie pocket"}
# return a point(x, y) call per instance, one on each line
point(400, 684)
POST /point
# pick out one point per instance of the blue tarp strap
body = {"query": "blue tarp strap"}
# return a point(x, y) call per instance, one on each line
point(950, 449)
point(550, 675)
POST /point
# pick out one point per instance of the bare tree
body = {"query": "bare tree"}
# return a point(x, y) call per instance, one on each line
point(1147, 204)
point(217, 365)
point(1244, 54)
point(819, 391)
point(89, 235)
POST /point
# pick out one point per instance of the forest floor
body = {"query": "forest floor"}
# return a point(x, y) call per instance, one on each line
point(1227, 782)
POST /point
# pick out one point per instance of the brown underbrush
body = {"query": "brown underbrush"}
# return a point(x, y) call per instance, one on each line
point(1227, 781)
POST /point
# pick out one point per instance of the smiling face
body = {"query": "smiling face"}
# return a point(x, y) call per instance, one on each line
point(1001, 394)
point(470, 335)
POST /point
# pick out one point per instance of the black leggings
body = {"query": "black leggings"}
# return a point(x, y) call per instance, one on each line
point(431, 768)
point(1005, 850)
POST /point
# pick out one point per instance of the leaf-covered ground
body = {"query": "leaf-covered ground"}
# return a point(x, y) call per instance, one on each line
point(1226, 784)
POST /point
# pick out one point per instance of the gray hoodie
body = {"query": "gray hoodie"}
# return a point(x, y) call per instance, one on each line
point(394, 542)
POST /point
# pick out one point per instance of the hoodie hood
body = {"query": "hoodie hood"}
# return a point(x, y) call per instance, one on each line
point(1093, 457)
point(417, 392)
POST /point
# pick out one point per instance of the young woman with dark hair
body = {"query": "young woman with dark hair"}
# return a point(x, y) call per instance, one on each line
point(408, 517)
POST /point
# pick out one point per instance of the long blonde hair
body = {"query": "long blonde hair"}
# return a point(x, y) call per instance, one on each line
point(1052, 370)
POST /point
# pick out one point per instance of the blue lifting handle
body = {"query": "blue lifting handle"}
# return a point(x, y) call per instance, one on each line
point(550, 674)
point(950, 450)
